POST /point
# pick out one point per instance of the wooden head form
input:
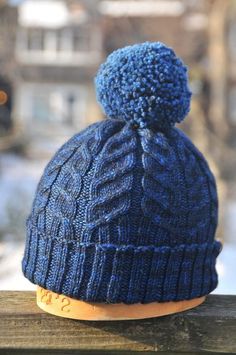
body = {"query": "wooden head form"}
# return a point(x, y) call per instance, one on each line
point(67, 307)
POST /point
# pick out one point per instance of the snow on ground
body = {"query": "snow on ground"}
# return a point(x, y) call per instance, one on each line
point(11, 276)
point(18, 180)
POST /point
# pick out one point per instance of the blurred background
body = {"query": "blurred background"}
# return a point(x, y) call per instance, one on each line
point(50, 51)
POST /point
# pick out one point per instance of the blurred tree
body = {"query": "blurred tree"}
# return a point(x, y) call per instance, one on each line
point(218, 57)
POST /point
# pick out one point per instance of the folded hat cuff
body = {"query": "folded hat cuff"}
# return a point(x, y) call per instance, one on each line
point(120, 273)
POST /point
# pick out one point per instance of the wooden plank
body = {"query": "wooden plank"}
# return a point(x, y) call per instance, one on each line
point(26, 329)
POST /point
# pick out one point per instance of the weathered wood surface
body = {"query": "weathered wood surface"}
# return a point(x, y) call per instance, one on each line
point(26, 329)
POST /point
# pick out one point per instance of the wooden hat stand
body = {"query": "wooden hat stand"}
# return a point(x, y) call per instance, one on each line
point(67, 307)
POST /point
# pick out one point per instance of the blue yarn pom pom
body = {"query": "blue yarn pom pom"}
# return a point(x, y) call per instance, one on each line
point(145, 84)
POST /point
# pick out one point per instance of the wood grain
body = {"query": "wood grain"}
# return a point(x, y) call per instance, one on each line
point(26, 329)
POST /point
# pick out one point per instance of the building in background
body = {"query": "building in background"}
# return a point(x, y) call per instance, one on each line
point(54, 48)
point(57, 55)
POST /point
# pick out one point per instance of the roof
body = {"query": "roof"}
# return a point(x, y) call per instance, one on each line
point(49, 14)
point(132, 8)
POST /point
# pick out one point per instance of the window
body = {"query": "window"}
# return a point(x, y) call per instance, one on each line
point(65, 40)
point(35, 40)
point(50, 41)
point(62, 40)
point(40, 108)
point(81, 40)
point(75, 46)
point(57, 105)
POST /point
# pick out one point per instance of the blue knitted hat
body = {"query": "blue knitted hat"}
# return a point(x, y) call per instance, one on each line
point(126, 211)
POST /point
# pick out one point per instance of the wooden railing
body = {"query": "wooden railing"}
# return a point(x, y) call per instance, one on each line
point(25, 329)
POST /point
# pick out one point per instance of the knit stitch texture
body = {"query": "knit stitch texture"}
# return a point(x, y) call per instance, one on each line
point(126, 210)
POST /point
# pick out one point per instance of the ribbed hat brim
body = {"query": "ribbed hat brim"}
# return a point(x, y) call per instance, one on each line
point(114, 273)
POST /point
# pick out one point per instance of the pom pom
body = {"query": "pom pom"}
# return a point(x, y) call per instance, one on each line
point(145, 84)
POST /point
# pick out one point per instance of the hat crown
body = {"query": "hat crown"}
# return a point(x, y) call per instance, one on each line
point(154, 186)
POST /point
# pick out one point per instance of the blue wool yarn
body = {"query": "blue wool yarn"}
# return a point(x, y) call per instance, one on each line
point(126, 210)
point(146, 84)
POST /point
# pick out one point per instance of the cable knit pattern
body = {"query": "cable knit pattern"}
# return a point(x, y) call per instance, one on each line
point(113, 179)
point(126, 210)
point(163, 197)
